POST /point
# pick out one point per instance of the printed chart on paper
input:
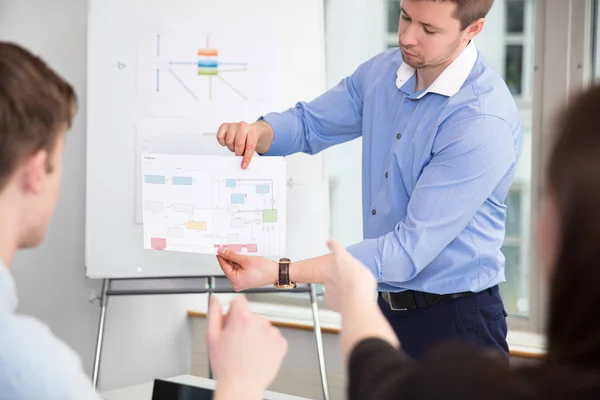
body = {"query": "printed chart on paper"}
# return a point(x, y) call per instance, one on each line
point(200, 203)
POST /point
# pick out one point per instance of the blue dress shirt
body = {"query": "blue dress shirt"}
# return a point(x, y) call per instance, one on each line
point(436, 167)
point(35, 364)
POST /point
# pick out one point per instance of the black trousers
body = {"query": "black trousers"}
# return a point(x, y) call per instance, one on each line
point(479, 318)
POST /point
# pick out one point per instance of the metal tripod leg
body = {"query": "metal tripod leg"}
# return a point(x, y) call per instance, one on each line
point(210, 283)
point(100, 337)
point(319, 339)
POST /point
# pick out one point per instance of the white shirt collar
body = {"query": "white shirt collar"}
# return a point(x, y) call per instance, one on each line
point(450, 80)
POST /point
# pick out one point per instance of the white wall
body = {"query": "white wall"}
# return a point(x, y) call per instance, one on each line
point(146, 337)
point(355, 32)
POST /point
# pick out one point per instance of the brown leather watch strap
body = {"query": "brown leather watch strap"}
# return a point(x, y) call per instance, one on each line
point(284, 275)
point(284, 271)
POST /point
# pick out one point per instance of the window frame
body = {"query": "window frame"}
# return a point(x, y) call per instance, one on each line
point(391, 37)
point(525, 39)
point(522, 239)
point(562, 24)
point(595, 43)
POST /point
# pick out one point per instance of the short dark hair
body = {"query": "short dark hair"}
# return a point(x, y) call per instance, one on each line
point(35, 102)
point(469, 11)
point(573, 178)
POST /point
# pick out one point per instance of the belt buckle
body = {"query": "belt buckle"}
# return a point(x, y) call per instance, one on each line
point(388, 299)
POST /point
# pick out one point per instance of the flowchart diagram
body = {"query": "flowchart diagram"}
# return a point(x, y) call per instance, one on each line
point(200, 203)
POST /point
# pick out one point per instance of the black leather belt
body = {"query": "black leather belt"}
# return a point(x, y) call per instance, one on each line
point(408, 300)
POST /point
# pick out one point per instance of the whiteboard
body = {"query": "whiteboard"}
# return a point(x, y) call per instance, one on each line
point(146, 89)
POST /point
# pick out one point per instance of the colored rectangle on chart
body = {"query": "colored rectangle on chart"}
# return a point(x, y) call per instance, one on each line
point(208, 63)
point(208, 71)
point(183, 208)
point(269, 216)
point(238, 198)
point(196, 226)
point(158, 243)
point(263, 189)
point(251, 248)
point(230, 183)
point(208, 52)
point(155, 179)
point(235, 247)
point(239, 248)
point(183, 180)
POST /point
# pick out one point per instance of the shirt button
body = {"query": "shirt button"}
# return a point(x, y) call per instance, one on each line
point(386, 174)
point(398, 135)
point(373, 212)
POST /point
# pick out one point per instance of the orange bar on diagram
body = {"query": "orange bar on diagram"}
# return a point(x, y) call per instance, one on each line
point(208, 52)
point(196, 226)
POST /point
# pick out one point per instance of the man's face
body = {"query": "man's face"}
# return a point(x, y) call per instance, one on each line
point(41, 182)
point(429, 35)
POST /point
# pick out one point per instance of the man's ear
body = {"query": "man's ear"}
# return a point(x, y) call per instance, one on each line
point(474, 29)
point(33, 171)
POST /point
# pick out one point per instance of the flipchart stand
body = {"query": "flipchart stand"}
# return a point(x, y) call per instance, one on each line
point(210, 288)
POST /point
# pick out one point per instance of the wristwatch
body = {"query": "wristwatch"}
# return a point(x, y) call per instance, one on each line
point(284, 275)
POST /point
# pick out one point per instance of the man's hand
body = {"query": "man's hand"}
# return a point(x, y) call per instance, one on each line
point(348, 281)
point(246, 272)
point(243, 138)
point(245, 350)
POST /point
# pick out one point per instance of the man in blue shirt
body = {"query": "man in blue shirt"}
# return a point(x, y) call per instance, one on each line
point(442, 137)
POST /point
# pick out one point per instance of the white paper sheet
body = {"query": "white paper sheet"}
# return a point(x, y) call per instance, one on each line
point(199, 203)
point(172, 136)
